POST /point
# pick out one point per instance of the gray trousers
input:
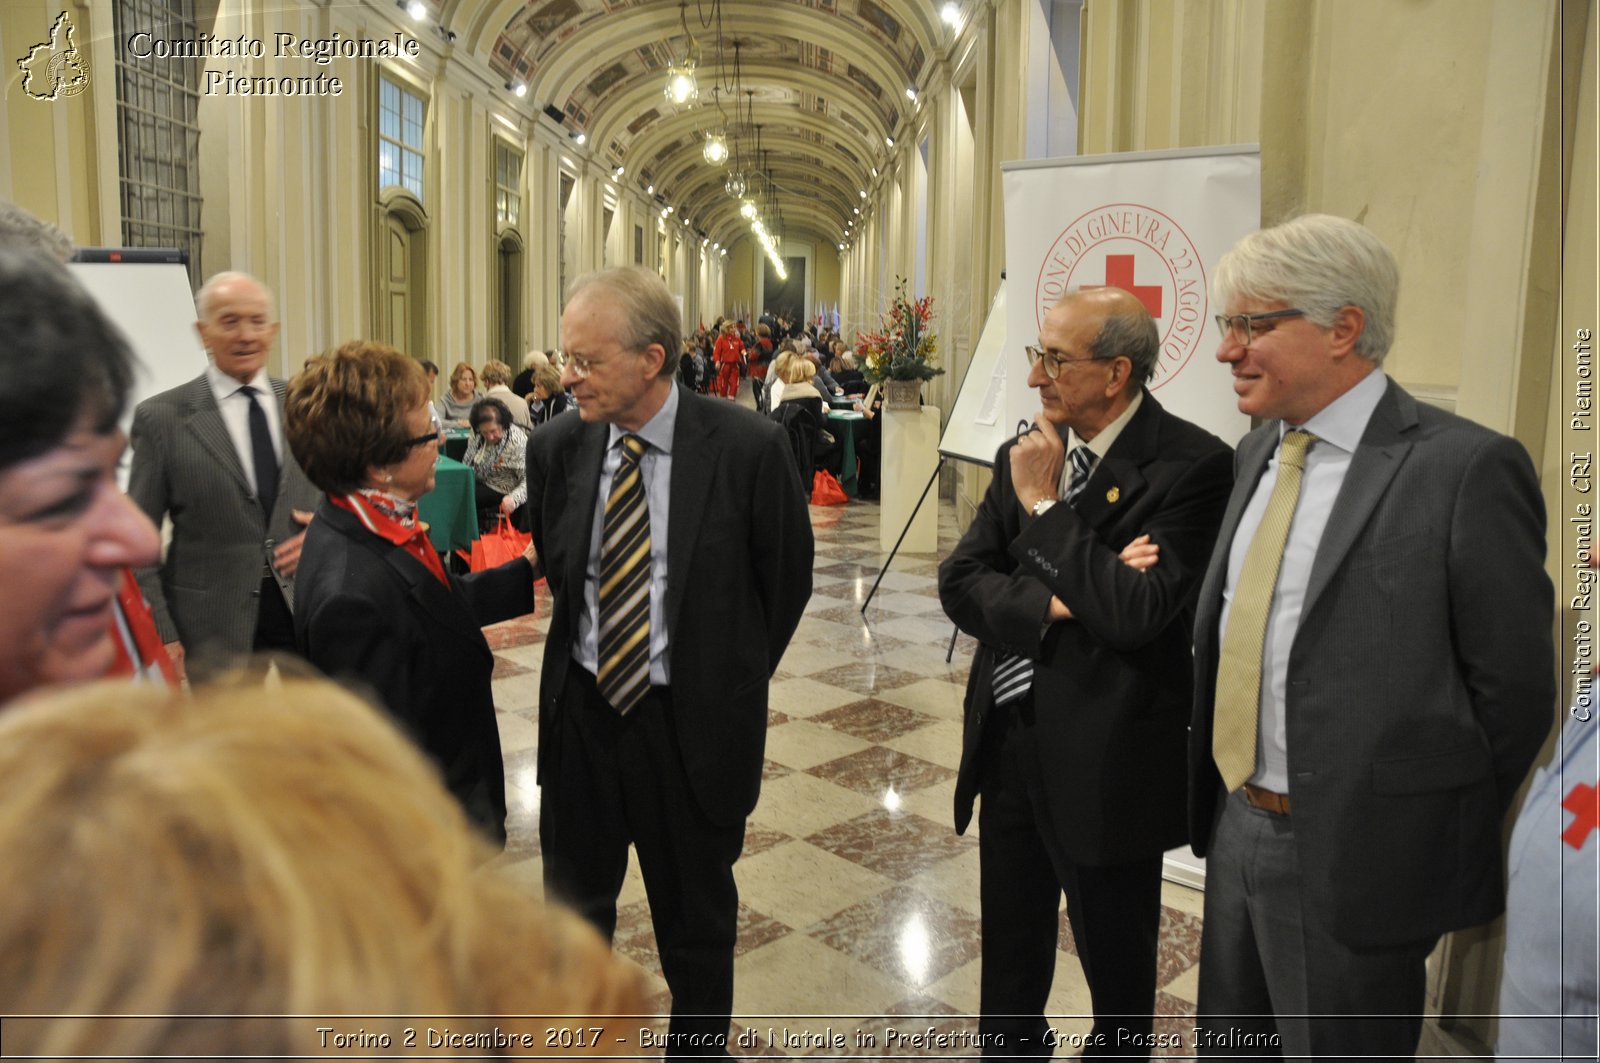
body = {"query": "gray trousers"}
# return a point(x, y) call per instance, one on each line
point(1273, 982)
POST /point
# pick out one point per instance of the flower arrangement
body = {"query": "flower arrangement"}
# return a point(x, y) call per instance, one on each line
point(904, 348)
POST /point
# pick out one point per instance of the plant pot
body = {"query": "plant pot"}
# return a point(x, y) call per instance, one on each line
point(902, 394)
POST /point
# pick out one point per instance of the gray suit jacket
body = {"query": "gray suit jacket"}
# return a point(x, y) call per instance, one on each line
point(205, 591)
point(1421, 680)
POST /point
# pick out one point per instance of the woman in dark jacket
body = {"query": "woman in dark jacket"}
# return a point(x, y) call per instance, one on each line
point(547, 399)
point(373, 602)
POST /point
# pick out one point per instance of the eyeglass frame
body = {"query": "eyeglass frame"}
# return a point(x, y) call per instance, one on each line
point(1053, 364)
point(1225, 323)
point(435, 436)
point(581, 367)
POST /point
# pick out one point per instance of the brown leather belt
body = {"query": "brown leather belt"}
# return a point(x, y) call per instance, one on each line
point(1267, 800)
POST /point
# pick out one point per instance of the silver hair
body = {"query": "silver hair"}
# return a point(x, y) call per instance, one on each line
point(208, 292)
point(648, 308)
point(21, 231)
point(1318, 263)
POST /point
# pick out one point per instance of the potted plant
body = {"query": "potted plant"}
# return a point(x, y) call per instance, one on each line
point(899, 357)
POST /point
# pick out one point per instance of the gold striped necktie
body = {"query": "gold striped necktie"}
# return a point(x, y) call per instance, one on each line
point(624, 594)
point(1238, 710)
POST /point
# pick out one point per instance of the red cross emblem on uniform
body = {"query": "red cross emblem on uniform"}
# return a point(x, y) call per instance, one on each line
point(1583, 801)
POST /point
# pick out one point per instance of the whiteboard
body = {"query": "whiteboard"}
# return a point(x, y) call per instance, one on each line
point(978, 423)
point(150, 302)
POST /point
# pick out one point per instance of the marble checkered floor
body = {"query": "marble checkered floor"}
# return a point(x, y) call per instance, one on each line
point(858, 902)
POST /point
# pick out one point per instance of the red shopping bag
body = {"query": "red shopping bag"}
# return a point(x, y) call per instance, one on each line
point(826, 491)
point(496, 547)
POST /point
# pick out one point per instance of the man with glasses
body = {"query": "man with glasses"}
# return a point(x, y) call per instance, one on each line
point(675, 535)
point(210, 455)
point(1077, 703)
point(1374, 669)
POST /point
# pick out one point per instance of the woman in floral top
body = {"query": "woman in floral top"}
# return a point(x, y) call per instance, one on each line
point(498, 456)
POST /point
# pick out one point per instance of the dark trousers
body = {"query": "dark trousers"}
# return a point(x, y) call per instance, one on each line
point(1115, 912)
point(274, 621)
point(620, 779)
point(1273, 981)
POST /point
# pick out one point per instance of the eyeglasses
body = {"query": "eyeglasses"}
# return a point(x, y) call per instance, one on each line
point(1053, 362)
point(435, 436)
point(1241, 328)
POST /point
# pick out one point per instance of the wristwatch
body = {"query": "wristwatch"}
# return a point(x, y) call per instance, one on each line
point(1042, 505)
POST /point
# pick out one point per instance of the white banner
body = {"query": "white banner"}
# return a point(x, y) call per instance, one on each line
point(1152, 223)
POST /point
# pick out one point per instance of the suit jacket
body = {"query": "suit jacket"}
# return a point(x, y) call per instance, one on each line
point(372, 614)
point(739, 546)
point(1421, 681)
point(185, 466)
point(1111, 687)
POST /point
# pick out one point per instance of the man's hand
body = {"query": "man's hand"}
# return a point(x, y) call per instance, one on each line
point(1138, 555)
point(286, 558)
point(1036, 463)
point(175, 655)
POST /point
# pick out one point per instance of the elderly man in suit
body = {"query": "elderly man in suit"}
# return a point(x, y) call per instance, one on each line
point(210, 454)
point(678, 547)
point(1374, 669)
point(1076, 706)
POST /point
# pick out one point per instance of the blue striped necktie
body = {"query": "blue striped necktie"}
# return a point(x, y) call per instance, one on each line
point(624, 592)
point(1013, 675)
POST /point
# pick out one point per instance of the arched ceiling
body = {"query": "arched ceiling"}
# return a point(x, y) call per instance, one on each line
point(822, 80)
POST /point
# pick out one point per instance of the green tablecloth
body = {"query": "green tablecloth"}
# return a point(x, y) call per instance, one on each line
point(845, 426)
point(455, 442)
point(450, 509)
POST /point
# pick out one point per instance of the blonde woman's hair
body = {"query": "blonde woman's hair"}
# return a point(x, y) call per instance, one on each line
point(799, 370)
point(258, 852)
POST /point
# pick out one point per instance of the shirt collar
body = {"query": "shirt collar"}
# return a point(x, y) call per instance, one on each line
point(1103, 439)
point(224, 386)
point(1343, 421)
point(657, 431)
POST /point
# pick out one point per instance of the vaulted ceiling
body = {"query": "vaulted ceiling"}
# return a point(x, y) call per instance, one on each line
point(820, 83)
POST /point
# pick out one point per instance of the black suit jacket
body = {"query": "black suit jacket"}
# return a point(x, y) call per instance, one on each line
point(738, 578)
point(371, 613)
point(1112, 686)
point(1421, 679)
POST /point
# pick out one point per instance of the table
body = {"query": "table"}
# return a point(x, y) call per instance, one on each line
point(847, 425)
point(840, 402)
point(450, 509)
point(455, 442)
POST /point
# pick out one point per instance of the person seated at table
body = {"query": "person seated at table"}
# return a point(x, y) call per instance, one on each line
point(775, 383)
point(497, 379)
point(799, 388)
point(869, 446)
point(373, 602)
point(847, 373)
point(548, 398)
point(498, 458)
point(181, 872)
point(522, 386)
point(430, 371)
point(456, 403)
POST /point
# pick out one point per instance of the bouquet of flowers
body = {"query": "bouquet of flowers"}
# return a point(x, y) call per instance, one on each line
point(904, 348)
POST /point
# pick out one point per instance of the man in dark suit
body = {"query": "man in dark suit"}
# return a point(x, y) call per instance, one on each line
point(1374, 669)
point(676, 540)
point(1076, 704)
point(210, 455)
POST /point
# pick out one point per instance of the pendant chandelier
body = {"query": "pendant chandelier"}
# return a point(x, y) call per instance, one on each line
point(682, 90)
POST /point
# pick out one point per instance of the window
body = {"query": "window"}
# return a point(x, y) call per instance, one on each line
point(158, 132)
point(507, 187)
point(400, 115)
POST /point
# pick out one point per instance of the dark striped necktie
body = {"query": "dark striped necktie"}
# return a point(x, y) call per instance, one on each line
point(624, 593)
point(1013, 675)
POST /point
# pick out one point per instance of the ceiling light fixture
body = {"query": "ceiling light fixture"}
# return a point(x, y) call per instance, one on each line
point(417, 10)
point(682, 89)
point(579, 137)
point(911, 93)
point(518, 89)
point(889, 141)
point(951, 13)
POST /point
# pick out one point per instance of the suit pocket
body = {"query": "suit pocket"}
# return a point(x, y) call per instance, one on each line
point(1437, 771)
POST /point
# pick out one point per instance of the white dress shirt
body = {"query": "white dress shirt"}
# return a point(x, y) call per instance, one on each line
point(234, 406)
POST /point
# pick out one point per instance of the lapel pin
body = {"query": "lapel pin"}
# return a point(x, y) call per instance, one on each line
point(1113, 494)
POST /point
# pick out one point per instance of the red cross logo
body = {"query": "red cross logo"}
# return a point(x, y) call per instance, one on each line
point(1119, 274)
point(1584, 803)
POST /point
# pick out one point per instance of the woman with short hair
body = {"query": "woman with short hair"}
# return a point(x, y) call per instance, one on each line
point(373, 601)
point(549, 400)
point(498, 457)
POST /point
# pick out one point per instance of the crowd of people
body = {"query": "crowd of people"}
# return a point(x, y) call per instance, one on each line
point(1179, 642)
